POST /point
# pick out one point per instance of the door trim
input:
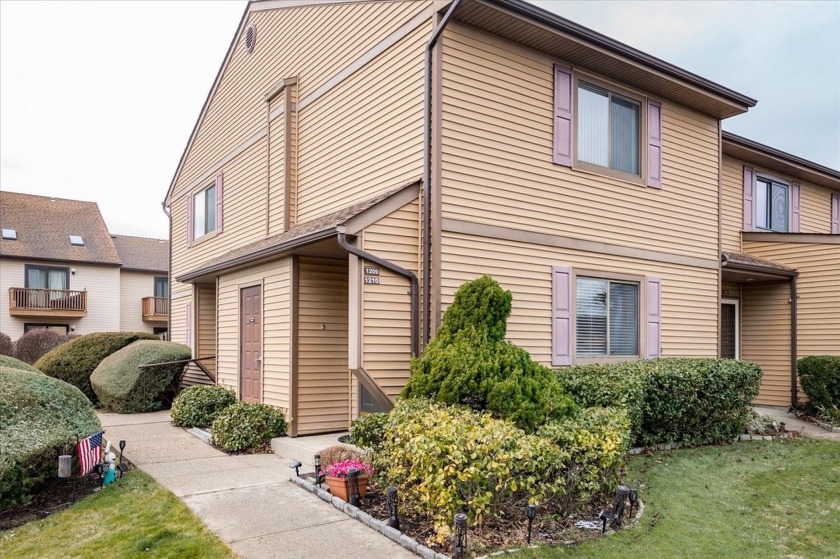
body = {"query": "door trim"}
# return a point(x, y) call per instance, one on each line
point(737, 304)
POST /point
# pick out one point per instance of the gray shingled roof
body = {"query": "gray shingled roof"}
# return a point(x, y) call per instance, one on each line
point(740, 260)
point(142, 253)
point(44, 224)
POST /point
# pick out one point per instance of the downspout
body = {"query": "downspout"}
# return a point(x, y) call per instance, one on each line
point(427, 173)
point(342, 242)
point(793, 345)
point(169, 275)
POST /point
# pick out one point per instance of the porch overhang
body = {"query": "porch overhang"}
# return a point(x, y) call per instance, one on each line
point(742, 268)
point(319, 234)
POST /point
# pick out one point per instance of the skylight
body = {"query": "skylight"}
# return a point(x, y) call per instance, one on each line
point(76, 240)
point(9, 235)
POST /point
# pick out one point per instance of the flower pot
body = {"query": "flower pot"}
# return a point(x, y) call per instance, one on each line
point(340, 487)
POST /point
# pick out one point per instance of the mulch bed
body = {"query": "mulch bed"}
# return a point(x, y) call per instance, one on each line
point(548, 528)
point(56, 495)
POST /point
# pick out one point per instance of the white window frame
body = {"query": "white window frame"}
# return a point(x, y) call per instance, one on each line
point(204, 230)
point(737, 304)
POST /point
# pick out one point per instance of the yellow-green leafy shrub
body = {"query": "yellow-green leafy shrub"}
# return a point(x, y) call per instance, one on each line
point(199, 406)
point(247, 427)
point(446, 459)
point(368, 431)
point(596, 440)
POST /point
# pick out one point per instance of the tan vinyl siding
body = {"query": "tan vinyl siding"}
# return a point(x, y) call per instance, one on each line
point(205, 327)
point(765, 338)
point(275, 278)
point(498, 169)
point(815, 209)
point(818, 290)
point(277, 169)
point(366, 135)
point(731, 290)
point(386, 307)
point(177, 318)
point(732, 205)
point(322, 377)
point(689, 294)
point(133, 287)
point(313, 42)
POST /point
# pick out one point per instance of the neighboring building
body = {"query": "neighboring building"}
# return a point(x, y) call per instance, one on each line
point(62, 269)
point(144, 283)
point(780, 235)
point(317, 237)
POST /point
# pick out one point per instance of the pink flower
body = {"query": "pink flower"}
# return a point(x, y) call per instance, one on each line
point(340, 469)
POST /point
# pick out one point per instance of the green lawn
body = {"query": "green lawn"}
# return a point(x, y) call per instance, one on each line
point(754, 500)
point(134, 518)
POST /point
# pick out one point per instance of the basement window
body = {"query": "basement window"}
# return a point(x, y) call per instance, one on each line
point(9, 235)
point(76, 240)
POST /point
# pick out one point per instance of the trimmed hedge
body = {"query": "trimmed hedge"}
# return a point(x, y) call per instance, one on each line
point(39, 419)
point(7, 346)
point(671, 400)
point(819, 376)
point(449, 459)
point(123, 387)
point(199, 406)
point(469, 362)
point(12, 363)
point(36, 343)
point(76, 360)
point(247, 427)
point(368, 431)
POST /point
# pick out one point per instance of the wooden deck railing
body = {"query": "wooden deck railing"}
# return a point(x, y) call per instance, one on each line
point(155, 308)
point(59, 302)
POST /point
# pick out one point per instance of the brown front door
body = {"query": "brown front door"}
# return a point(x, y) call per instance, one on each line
point(250, 355)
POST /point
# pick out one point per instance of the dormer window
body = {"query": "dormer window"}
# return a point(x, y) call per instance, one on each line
point(9, 235)
point(77, 241)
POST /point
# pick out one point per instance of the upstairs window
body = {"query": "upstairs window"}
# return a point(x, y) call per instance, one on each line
point(771, 205)
point(608, 129)
point(161, 287)
point(47, 277)
point(204, 206)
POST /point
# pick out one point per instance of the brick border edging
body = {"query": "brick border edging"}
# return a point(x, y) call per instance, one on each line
point(826, 426)
point(356, 513)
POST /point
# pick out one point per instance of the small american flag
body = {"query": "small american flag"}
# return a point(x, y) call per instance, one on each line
point(90, 453)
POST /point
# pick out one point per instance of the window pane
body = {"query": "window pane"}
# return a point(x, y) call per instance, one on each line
point(591, 317)
point(624, 116)
point(624, 319)
point(593, 125)
point(210, 200)
point(779, 209)
point(58, 279)
point(161, 287)
point(198, 218)
point(36, 278)
point(761, 212)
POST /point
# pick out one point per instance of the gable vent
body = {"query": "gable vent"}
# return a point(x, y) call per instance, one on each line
point(250, 37)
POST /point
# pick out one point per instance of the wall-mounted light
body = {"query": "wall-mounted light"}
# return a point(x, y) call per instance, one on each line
point(73, 271)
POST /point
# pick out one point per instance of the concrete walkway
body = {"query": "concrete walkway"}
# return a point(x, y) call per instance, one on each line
point(246, 500)
point(793, 423)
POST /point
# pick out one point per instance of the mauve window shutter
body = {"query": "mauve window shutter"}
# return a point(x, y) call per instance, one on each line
point(749, 210)
point(563, 84)
point(653, 316)
point(190, 202)
point(835, 214)
point(220, 202)
point(794, 207)
point(189, 326)
point(561, 315)
point(654, 144)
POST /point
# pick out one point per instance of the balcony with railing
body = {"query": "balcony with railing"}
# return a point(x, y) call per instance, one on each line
point(59, 303)
point(155, 309)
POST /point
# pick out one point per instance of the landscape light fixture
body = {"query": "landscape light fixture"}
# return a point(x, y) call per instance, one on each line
point(296, 465)
point(121, 466)
point(633, 497)
point(319, 479)
point(391, 502)
point(460, 536)
point(531, 511)
point(353, 481)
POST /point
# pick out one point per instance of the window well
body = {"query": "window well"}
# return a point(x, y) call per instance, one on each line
point(76, 240)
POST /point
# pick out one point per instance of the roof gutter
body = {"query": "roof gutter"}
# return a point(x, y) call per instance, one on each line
point(408, 274)
point(427, 175)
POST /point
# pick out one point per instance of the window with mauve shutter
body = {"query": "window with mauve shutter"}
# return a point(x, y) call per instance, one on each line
point(606, 318)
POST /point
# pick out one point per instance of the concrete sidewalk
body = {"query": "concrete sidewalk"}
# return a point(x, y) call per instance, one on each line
point(793, 423)
point(246, 500)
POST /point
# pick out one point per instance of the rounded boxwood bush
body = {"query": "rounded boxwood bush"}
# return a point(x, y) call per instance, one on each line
point(198, 406)
point(36, 343)
point(246, 427)
point(40, 418)
point(7, 346)
point(819, 376)
point(12, 363)
point(75, 360)
point(123, 387)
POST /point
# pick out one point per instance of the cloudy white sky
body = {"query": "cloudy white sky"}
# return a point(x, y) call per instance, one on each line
point(97, 99)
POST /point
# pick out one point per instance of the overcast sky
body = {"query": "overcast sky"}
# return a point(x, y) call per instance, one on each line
point(98, 99)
